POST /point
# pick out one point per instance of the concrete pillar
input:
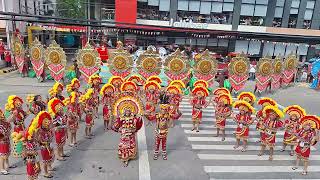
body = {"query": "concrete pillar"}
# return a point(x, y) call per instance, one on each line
point(270, 13)
point(236, 14)
point(173, 9)
point(302, 10)
point(315, 22)
point(286, 13)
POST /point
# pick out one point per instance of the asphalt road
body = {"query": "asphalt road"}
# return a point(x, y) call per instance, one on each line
point(190, 156)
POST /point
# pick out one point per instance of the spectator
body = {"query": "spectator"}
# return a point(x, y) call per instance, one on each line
point(252, 72)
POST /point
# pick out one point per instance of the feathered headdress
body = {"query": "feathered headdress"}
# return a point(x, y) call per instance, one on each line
point(295, 110)
point(106, 88)
point(155, 78)
point(36, 123)
point(70, 87)
point(243, 105)
point(54, 105)
point(266, 110)
point(200, 89)
point(87, 95)
point(267, 102)
point(247, 96)
point(202, 83)
point(11, 101)
point(55, 88)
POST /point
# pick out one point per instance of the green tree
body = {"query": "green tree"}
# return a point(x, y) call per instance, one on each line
point(71, 8)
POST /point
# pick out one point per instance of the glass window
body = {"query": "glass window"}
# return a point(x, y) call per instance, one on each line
point(202, 42)
point(248, 1)
point(194, 5)
point(153, 2)
point(164, 5)
point(143, 0)
point(308, 14)
point(216, 7)
point(295, 3)
point(291, 49)
point(223, 42)
point(280, 3)
point(268, 49)
point(278, 12)
point(180, 41)
point(228, 0)
point(262, 1)
point(279, 49)
point(241, 46)
point(247, 10)
point(205, 7)
point(212, 42)
point(294, 11)
point(310, 4)
point(183, 5)
point(227, 6)
point(260, 10)
point(302, 49)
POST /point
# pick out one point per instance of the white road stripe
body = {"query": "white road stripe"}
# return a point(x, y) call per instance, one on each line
point(205, 114)
point(209, 126)
point(256, 169)
point(144, 166)
point(262, 179)
point(209, 132)
point(230, 147)
point(227, 139)
point(251, 157)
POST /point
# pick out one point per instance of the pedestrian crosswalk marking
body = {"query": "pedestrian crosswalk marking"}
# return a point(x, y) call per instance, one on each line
point(243, 157)
point(255, 169)
point(230, 147)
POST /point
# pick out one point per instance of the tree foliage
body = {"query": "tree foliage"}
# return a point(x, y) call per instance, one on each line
point(71, 8)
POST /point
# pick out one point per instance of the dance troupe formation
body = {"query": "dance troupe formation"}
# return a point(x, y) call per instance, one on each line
point(123, 111)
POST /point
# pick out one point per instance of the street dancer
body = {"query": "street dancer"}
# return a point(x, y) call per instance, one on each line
point(198, 102)
point(222, 112)
point(107, 93)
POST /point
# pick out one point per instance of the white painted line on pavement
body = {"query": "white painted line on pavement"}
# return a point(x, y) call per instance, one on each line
point(230, 147)
point(144, 166)
point(256, 169)
point(262, 179)
point(227, 139)
point(251, 157)
point(209, 126)
point(208, 132)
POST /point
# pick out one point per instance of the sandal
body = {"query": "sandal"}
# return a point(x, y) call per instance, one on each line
point(4, 172)
point(61, 159)
point(164, 157)
point(65, 155)
point(235, 147)
point(223, 139)
point(49, 176)
point(155, 157)
point(291, 153)
point(294, 168)
point(125, 164)
point(304, 173)
point(53, 169)
point(12, 166)
point(282, 150)
point(243, 149)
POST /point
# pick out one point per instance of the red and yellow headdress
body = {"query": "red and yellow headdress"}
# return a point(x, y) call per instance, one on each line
point(200, 89)
point(37, 123)
point(55, 89)
point(115, 79)
point(243, 105)
point(54, 105)
point(247, 96)
point(129, 86)
point(87, 95)
point(164, 106)
point(127, 102)
point(152, 85)
point(106, 88)
point(178, 83)
point(71, 99)
point(312, 120)
point(93, 78)
point(154, 78)
point(30, 98)
point(226, 98)
point(136, 79)
point(295, 110)
point(268, 109)
point(11, 102)
point(267, 102)
point(74, 82)
point(219, 91)
point(174, 89)
point(202, 83)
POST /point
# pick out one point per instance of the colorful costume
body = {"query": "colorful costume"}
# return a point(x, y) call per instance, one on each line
point(56, 91)
point(55, 107)
point(218, 92)
point(36, 104)
point(74, 86)
point(129, 88)
point(206, 67)
point(30, 156)
point(243, 119)
point(223, 110)
point(107, 92)
point(291, 125)
point(174, 101)
point(152, 96)
point(88, 100)
point(127, 110)
point(307, 137)
point(73, 112)
point(263, 74)
point(238, 72)
point(116, 81)
point(5, 129)
point(14, 105)
point(271, 125)
point(263, 102)
point(198, 102)
point(161, 131)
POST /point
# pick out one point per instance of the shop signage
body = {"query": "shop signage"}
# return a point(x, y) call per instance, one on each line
point(189, 24)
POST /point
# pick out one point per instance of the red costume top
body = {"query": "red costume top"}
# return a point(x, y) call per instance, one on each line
point(89, 111)
point(45, 139)
point(291, 127)
point(107, 100)
point(30, 153)
point(7, 56)
point(127, 126)
point(306, 138)
point(5, 129)
point(197, 105)
point(243, 122)
point(73, 123)
point(60, 124)
point(103, 52)
point(222, 113)
point(152, 100)
point(269, 135)
point(18, 121)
